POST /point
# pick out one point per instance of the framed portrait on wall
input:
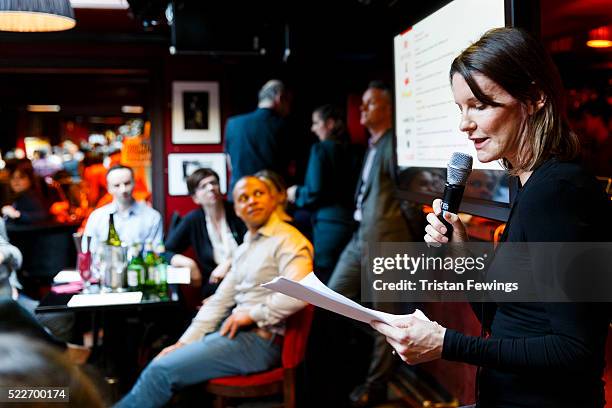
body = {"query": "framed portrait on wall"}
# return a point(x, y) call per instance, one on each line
point(181, 165)
point(196, 116)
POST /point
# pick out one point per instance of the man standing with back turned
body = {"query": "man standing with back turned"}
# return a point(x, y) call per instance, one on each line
point(380, 220)
point(258, 140)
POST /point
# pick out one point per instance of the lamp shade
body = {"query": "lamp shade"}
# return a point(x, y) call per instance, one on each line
point(36, 15)
point(600, 37)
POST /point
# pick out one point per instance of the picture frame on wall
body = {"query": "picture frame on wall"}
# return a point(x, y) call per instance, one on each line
point(196, 116)
point(181, 165)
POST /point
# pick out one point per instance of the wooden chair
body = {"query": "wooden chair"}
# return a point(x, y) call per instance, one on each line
point(281, 380)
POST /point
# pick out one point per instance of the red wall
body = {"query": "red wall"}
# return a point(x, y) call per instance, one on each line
point(179, 70)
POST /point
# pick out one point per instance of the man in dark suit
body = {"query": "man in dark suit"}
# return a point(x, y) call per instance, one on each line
point(380, 220)
point(258, 140)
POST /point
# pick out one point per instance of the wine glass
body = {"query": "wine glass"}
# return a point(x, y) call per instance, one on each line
point(84, 268)
point(98, 267)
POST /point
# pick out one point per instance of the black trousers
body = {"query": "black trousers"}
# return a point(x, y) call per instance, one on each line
point(346, 280)
point(16, 319)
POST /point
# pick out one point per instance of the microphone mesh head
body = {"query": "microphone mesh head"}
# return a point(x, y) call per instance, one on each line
point(459, 168)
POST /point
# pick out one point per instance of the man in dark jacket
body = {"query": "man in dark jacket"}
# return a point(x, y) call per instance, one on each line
point(380, 219)
point(258, 140)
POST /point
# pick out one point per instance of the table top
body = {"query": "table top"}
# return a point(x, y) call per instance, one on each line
point(49, 225)
point(56, 302)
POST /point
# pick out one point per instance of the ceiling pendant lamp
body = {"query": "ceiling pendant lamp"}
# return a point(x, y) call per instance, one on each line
point(36, 15)
point(600, 37)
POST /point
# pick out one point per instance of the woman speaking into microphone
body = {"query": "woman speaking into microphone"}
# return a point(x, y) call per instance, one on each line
point(537, 354)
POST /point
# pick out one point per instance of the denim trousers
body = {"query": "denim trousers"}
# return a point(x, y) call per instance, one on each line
point(213, 356)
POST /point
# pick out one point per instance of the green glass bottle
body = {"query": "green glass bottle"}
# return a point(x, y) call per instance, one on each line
point(150, 262)
point(162, 271)
point(135, 268)
point(113, 237)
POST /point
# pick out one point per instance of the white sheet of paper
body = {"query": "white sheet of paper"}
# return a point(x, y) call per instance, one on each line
point(104, 299)
point(310, 289)
point(67, 277)
point(178, 275)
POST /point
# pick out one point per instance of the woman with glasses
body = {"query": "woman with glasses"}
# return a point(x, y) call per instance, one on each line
point(213, 231)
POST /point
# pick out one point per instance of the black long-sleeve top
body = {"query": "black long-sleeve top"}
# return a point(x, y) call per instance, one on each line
point(192, 232)
point(32, 208)
point(331, 179)
point(543, 354)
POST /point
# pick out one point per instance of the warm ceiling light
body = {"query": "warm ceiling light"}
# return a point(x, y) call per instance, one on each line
point(132, 109)
point(43, 108)
point(600, 37)
point(36, 15)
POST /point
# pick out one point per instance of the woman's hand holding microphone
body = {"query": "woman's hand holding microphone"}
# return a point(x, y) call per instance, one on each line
point(435, 230)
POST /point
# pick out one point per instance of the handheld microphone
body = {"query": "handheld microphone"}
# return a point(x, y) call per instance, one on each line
point(457, 172)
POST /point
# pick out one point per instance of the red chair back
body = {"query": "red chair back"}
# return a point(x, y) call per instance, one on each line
point(296, 337)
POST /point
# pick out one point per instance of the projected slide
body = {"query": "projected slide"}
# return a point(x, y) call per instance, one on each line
point(427, 119)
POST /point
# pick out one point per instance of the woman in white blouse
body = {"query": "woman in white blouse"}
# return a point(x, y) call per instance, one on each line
point(213, 231)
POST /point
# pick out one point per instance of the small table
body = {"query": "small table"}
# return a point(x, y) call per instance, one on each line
point(55, 302)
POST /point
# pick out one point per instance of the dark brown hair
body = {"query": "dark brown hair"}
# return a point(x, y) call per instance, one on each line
point(338, 133)
point(518, 63)
point(24, 166)
point(200, 174)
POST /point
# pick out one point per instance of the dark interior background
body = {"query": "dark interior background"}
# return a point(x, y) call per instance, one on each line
point(122, 57)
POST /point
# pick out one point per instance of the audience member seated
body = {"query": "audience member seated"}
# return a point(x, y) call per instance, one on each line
point(45, 166)
point(134, 221)
point(71, 205)
point(38, 255)
point(28, 362)
point(329, 188)
point(27, 205)
point(213, 231)
point(140, 191)
point(249, 339)
point(15, 318)
point(10, 261)
point(72, 157)
point(94, 177)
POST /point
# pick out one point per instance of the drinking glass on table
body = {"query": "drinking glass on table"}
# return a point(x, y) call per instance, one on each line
point(84, 268)
point(99, 265)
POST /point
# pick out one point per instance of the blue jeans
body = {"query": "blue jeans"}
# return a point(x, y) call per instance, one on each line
point(213, 356)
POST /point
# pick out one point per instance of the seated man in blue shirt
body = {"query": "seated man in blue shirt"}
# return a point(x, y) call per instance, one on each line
point(134, 221)
point(248, 341)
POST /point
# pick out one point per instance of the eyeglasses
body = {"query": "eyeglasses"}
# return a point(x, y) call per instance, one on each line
point(205, 186)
